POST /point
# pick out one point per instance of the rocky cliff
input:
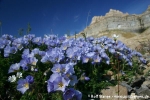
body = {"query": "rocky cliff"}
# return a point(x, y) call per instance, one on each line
point(116, 20)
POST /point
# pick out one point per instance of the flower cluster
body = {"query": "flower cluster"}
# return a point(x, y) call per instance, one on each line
point(64, 54)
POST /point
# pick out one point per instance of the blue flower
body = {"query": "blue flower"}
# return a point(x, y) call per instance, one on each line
point(14, 67)
point(72, 94)
point(23, 64)
point(143, 60)
point(73, 80)
point(86, 78)
point(32, 61)
point(50, 86)
point(97, 59)
point(19, 46)
point(54, 76)
point(57, 82)
point(18, 43)
point(61, 68)
point(65, 45)
point(111, 50)
point(70, 52)
point(83, 77)
point(37, 40)
point(69, 94)
point(85, 59)
point(26, 54)
point(42, 53)
point(60, 84)
point(35, 51)
point(44, 59)
point(30, 79)
point(23, 85)
point(70, 68)
point(7, 51)
point(6, 42)
point(57, 68)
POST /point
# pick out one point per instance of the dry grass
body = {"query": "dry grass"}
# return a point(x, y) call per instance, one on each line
point(128, 35)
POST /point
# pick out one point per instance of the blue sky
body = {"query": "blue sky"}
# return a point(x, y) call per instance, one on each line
point(59, 16)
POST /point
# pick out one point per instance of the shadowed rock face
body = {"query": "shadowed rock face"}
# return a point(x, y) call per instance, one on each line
point(138, 82)
point(116, 20)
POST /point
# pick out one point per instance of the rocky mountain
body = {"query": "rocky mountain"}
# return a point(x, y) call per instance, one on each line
point(125, 25)
point(116, 20)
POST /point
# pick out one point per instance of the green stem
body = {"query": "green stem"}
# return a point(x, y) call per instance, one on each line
point(118, 75)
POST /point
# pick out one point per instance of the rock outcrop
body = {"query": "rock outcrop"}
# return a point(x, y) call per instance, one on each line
point(116, 20)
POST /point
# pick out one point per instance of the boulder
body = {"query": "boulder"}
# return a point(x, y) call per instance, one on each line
point(129, 88)
point(145, 71)
point(145, 84)
point(143, 93)
point(148, 64)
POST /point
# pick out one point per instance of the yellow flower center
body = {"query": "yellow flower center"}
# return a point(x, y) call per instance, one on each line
point(60, 84)
point(96, 60)
point(19, 46)
point(56, 58)
point(65, 48)
point(58, 69)
point(26, 85)
point(67, 75)
point(33, 63)
point(87, 59)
